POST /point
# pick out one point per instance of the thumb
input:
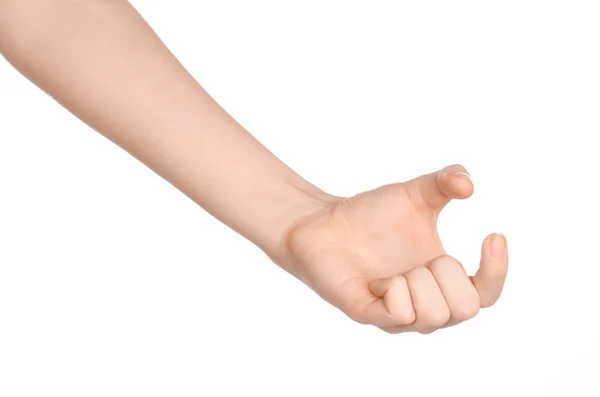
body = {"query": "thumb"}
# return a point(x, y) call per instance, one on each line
point(489, 279)
point(438, 188)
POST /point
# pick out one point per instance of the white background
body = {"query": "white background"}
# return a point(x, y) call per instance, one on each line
point(112, 283)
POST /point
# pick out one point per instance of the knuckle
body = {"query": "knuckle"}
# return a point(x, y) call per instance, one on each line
point(465, 312)
point(417, 273)
point(444, 261)
point(358, 318)
point(403, 317)
point(488, 302)
point(391, 331)
point(397, 283)
point(435, 319)
point(356, 312)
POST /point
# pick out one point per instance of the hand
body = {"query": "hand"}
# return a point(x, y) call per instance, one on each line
point(377, 256)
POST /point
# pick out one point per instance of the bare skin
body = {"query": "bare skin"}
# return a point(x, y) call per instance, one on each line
point(376, 256)
point(379, 258)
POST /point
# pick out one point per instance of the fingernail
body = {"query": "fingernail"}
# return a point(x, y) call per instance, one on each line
point(464, 175)
point(498, 245)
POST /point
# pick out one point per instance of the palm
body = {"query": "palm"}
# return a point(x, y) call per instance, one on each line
point(377, 235)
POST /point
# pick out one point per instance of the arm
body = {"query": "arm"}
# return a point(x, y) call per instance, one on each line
point(376, 256)
point(101, 61)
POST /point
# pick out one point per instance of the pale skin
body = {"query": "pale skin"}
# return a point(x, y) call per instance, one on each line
point(375, 256)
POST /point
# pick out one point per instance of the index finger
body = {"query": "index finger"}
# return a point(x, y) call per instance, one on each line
point(490, 277)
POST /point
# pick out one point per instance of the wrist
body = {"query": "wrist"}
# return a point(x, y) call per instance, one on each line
point(291, 202)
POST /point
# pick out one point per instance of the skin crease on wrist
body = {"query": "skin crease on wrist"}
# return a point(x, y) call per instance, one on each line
point(375, 256)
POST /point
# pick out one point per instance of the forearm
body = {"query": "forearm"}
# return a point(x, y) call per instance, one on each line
point(102, 62)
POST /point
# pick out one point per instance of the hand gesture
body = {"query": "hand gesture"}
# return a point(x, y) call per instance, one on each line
point(377, 256)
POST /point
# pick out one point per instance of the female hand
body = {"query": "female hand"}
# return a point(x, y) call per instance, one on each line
point(377, 256)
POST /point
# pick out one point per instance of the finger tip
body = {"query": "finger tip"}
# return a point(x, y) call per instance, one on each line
point(461, 185)
point(456, 167)
point(495, 247)
point(490, 237)
point(494, 256)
